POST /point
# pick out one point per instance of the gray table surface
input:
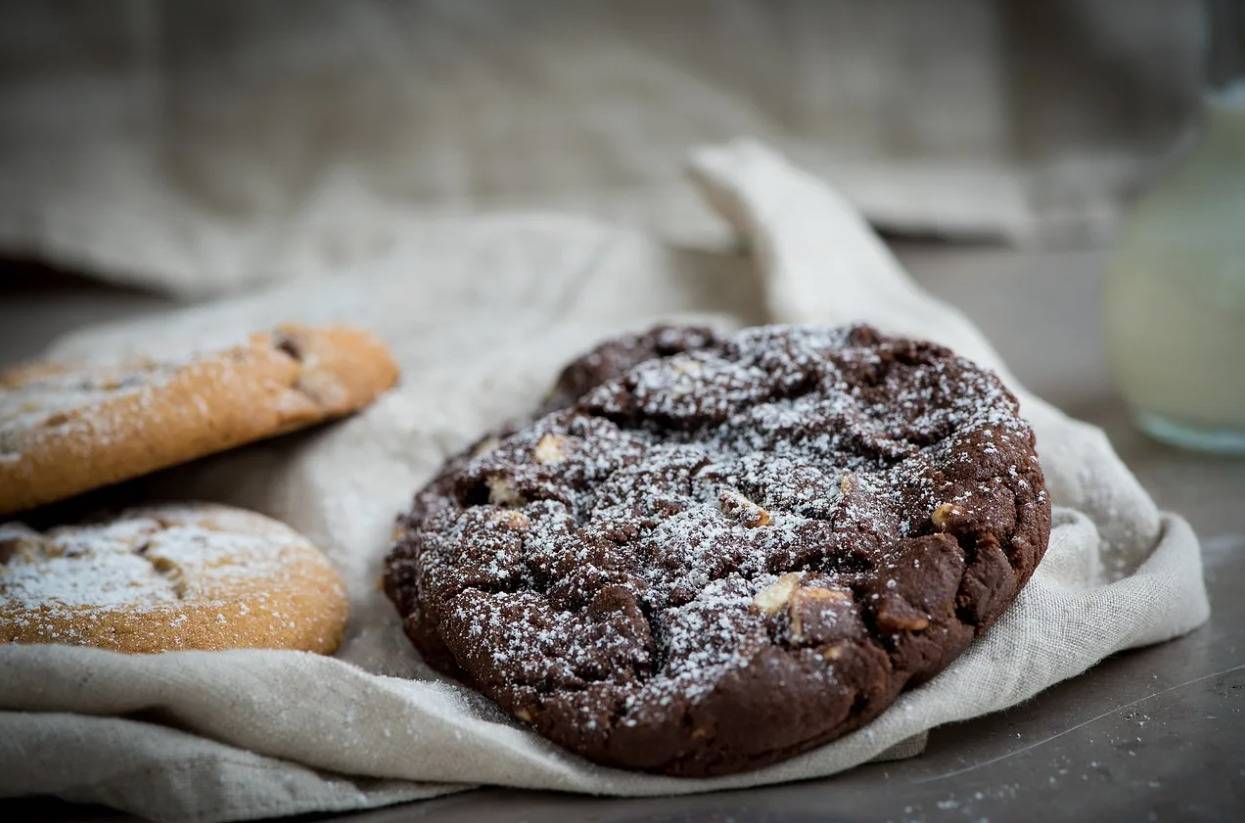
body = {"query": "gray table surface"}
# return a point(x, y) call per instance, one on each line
point(1152, 734)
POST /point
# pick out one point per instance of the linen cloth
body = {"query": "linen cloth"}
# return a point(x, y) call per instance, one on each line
point(480, 315)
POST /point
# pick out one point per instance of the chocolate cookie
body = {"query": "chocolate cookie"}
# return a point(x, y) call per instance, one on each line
point(615, 356)
point(730, 551)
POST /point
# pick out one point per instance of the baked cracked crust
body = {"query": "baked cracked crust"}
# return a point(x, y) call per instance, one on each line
point(725, 550)
point(66, 428)
point(167, 577)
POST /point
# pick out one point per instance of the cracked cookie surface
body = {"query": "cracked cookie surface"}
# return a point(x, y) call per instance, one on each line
point(725, 550)
point(68, 428)
point(167, 577)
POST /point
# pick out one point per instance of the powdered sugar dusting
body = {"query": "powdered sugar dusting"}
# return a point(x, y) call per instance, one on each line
point(47, 401)
point(146, 560)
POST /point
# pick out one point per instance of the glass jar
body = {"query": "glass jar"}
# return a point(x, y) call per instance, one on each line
point(1175, 292)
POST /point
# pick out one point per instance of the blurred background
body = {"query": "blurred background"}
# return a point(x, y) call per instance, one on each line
point(248, 141)
point(199, 147)
point(182, 151)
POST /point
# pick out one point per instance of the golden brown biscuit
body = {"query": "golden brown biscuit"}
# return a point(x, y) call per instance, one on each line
point(65, 429)
point(167, 577)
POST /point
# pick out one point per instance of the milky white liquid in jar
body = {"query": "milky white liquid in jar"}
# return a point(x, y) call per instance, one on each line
point(1175, 293)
